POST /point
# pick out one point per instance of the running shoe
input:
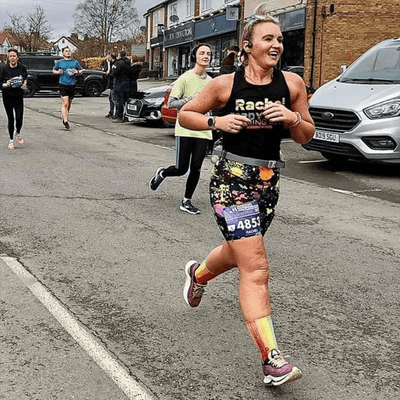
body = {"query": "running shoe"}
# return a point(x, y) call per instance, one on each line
point(189, 207)
point(192, 291)
point(156, 180)
point(19, 139)
point(66, 125)
point(11, 146)
point(278, 371)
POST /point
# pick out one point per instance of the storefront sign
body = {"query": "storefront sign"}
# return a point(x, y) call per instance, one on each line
point(179, 35)
point(213, 26)
point(292, 20)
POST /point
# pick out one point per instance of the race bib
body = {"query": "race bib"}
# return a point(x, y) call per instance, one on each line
point(16, 81)
point(243, 220)
point(71, 71)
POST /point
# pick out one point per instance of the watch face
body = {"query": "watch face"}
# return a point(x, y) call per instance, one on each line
point(210, 122)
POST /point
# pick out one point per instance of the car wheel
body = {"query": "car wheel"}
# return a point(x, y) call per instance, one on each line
point(334, 157)
point(30, 89)
point(93, 89)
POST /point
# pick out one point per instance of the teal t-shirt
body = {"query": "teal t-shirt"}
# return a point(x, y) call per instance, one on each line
point(68, 66)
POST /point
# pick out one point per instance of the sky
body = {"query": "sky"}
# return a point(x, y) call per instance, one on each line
point(58, 12)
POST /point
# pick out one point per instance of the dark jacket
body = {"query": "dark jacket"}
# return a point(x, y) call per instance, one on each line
point(17, 76)
point(120, 71)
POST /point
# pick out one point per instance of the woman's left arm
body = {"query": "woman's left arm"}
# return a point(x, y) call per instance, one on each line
point(297, 118)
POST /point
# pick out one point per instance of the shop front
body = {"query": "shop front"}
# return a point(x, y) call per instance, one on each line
point(293, 29)
point(177, 43)
point(220, 33)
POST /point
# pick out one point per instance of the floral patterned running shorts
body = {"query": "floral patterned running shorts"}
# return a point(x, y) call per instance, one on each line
point(243, 198)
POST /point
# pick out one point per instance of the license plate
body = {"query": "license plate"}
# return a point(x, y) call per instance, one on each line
point(327, 136)
point(134, 108)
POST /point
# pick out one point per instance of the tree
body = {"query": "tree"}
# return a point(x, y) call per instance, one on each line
point(31, 33)
point(108, 20)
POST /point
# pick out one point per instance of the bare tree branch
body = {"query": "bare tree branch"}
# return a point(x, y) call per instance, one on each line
point(32, 32)
point(109, 20)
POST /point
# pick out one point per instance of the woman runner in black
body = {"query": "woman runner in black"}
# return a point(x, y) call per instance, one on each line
point(13, 80)
point(258, 102)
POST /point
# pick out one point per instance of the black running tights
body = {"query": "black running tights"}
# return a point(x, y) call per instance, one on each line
point(14, 105)
point(189, 152)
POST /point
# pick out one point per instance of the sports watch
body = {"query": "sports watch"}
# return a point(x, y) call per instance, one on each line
point(211, 122)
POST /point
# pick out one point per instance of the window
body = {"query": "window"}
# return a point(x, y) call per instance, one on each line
point(157, 19)
point(206, 5)
point(172, 10)
point(189, 7)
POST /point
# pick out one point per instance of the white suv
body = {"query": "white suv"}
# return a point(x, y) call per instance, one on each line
point(357, 115)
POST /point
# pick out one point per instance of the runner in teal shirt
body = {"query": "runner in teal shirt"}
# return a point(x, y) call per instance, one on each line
point(67, 69)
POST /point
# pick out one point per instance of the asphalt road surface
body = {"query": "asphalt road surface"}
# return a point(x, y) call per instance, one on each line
point(91, 272)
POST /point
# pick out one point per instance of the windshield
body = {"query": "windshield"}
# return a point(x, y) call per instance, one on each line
point(380, 65)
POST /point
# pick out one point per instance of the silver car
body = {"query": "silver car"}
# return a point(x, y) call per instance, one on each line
point(357, 115)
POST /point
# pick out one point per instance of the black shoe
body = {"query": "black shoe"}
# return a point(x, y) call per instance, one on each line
point(109, 115)
point(66, 125)
point(156, 180)
point(189, 207)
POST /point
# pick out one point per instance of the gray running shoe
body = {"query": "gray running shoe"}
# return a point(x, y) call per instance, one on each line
point(189, 207)
point(156, 180)
point(193, 291)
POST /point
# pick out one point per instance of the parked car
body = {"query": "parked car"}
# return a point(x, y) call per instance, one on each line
point(146, 105)
point(357, 115)
point(40, 76)
point(168, 115)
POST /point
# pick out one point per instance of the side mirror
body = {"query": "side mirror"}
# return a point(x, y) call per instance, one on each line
point(343, 68)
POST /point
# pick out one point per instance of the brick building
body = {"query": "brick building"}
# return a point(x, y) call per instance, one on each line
point(339, 31)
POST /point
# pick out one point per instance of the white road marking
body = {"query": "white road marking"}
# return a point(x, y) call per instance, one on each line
point(311, 161)
point(85, 339)
point(348, 192)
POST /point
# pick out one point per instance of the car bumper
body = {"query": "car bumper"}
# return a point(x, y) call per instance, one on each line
point(137, 110)
point(371, 140)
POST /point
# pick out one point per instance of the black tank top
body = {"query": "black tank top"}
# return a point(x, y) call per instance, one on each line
point(261, 139)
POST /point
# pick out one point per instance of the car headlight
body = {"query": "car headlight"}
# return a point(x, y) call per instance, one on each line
point(387, 109)
point(156, 102)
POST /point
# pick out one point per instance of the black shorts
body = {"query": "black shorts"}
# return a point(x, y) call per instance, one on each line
point(243, 198)
point(67, 91)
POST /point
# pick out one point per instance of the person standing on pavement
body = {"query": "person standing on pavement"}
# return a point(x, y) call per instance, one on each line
point(190, 145)
point(13, 80)
point(258, 102)
point(68, 69)
point(120, 73)
point(136, 67)
point(106, 67)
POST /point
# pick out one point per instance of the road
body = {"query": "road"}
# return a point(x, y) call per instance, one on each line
point(84, 240)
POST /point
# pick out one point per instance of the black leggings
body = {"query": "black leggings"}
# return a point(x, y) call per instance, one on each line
point(11, 105)
point(189, 151)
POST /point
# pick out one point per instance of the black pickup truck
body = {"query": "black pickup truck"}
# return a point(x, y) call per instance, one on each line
point(40, 76)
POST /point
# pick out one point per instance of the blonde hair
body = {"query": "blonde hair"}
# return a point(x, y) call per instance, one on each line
point(260, 15)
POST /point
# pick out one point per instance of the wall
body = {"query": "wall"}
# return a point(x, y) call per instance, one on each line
point(341, 37)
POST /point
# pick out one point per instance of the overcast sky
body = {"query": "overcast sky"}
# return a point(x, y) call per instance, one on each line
point(58, 12)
